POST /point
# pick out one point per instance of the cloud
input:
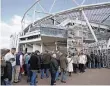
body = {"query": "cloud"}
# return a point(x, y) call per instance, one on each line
point(7, 29)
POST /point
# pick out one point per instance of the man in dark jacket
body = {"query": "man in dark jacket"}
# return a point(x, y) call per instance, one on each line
point(98, 65)
point(8, 73)
point(42, 66)
point(63, 66)
point(19, 57)
point(3, 65)
point(88, 61)
point(34, 67)
point(46, 57)
point(53, 68)
point(92, 60)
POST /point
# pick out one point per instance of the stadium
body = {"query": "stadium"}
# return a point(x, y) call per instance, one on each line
point(60, 42)
point(89, 23)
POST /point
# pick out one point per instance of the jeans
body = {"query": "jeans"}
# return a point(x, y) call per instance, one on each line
point(13, 73)
point(17, 73)
point(63, 76)
point(102, 64)
point(57, 75)
point(75, 68)
point(53, 75)
point(42, 73)
point(20, 76)
point(89, 64)
point(81, 67)
point(33, 78)
point(98, 65)
point(28, 72)
point(27, 69)
point(93, 64)
point(2, 80)
point(7, 82)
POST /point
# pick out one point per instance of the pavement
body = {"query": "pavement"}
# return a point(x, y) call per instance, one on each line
point(90, 77)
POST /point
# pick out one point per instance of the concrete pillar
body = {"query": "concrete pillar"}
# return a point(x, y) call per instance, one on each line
point(108, 44)
point(23, 48)
point(42, 47)
point(56, 46)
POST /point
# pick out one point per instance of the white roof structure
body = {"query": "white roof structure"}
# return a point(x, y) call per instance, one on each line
point(96, 13)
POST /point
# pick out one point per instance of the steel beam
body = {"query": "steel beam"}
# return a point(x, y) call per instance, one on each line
point(87, 21)
point(52, 6)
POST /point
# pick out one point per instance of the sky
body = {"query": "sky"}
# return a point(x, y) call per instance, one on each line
point(12, 12)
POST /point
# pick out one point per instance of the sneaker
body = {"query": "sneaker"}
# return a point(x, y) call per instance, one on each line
point(63, 81)
point(15, 81)
point(54, 83)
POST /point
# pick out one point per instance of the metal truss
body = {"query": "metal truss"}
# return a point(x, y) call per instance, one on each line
point(96, 13)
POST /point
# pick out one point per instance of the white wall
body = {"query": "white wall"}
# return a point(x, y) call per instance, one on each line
point(36, 47)
point(29, 49)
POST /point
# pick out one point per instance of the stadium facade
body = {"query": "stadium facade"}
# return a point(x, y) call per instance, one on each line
point(68, 30)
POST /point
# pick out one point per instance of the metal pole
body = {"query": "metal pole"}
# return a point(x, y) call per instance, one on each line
point(42, 7)
point(34, 15)
point(29, 9)
point(52, 6)
point(87, 21)
point(27, 12)
point(108, 44)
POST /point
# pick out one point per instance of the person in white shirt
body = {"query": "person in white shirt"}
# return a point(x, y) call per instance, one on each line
point(10, 56)
point(82, 61)
point(70, 65)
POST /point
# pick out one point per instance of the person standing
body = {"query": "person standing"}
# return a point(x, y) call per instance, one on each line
point(46, 57)
point(58, 72)
point(34, 67)
point(98, 65)
point(82, 62)
point(63, 66)
point(102, 60)
point(75, 62)
point(92, 55)
point(27, 58)
point(53, 68)
point(88, 61)
point(6, 70)
point(42, 66)
point(19, 57)
point(70, 65)
point(8, 73)
point(10, 56)
point(3, 65)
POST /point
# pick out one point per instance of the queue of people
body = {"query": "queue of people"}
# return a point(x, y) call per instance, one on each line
point(55, 64)
point(96, 60)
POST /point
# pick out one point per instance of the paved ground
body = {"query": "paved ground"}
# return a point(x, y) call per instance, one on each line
point(90, 77)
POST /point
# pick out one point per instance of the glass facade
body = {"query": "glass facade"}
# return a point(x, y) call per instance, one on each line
point(47, 31)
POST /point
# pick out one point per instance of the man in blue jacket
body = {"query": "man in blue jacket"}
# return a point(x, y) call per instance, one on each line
point(19, 57)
